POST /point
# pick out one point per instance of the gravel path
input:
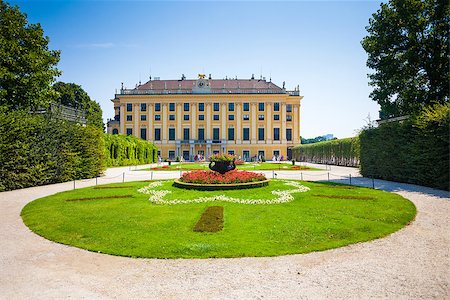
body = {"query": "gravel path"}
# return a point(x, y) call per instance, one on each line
point(411, 263)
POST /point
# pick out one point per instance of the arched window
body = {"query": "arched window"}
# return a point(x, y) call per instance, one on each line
point(115, 131)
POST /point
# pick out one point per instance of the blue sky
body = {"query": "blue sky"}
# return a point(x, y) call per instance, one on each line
point(313, 44)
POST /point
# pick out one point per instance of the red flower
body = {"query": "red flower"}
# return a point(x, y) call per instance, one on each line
point(211, 177)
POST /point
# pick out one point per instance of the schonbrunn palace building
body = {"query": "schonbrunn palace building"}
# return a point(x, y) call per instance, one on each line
point(243, 117)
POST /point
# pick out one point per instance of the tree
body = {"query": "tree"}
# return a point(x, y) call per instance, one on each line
point(408, 49)
point(71, 94)
point(27, 66)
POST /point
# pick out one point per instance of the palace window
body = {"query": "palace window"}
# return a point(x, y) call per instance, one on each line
point(216, 106)
point(143, 106)
point(171, 106)
point(157, 117)
point(129, 131)
point(276, 134)
point(231, 134)
point(171, 134)
point(129, 118)
point(157, 106)
point(129, 107)
point(230, 106)
point(246, 117)
point(246, 106)
point(171, 117)
point(261, 117)
point(216, 117)
point(201, 117)
point(276, 106)
point(201, 107)
point(289, 118)
point(157, 134)
point(186, 134)
point(260, 134)
point(144, 133)
point(288, 107)
point(186, 106)
point(115, 131)
point(261, 106)
point(143, 117)
point(230, 117)
point(186, 117)
point(201, 133)
point(216, 132)
point(289, 134)
point(246, 134)
point(276, 117)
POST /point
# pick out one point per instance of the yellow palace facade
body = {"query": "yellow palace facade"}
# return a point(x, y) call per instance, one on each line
point(248, 118)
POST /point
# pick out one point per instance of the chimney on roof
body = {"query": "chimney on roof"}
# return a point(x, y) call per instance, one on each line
point(264, 78)
point(253, 76)
point(209, 77)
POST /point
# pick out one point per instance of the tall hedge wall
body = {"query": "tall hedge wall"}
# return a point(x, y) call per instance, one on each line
point(414, 151)
point(341, 152)
point(36, 150)
point(121, 150)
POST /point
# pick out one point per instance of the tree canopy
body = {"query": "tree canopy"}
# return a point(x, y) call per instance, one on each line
point(408, 49)
point(71, 94)
point(27, 66)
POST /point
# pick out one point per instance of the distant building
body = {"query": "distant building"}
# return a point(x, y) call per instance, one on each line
point(243, 117)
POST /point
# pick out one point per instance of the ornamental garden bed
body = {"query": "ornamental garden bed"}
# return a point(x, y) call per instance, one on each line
point(158, 221)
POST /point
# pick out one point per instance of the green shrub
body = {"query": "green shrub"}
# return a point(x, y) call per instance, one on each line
point(341, 152)
point(413, 151)
point(121, 150)
point(37, 150)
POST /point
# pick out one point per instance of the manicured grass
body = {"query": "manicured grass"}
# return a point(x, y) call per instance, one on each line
point(211, 220)
point(327, 216)
point(266, 166)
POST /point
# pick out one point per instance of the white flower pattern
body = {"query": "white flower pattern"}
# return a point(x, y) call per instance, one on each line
point(157, 196)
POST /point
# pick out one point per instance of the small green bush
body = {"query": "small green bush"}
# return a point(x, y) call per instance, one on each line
point(211, 220)
point(340, 152)
point(121, 150)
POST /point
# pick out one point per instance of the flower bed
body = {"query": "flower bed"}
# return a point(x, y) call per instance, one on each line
point(211, 177)
point(222, 157)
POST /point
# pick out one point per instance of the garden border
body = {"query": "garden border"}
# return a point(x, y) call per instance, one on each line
point(215, 187)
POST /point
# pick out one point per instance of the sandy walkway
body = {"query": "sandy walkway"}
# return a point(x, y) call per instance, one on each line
point(411, 263)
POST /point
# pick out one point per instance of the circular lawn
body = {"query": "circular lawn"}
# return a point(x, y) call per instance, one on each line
point(157, 220)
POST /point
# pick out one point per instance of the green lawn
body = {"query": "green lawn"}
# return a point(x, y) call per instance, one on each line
point(122, 221)
point(266, 166)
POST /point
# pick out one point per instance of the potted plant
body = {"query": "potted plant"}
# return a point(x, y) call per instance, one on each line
point(222, 163)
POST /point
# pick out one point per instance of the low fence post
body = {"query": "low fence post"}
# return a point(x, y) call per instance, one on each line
point(273, 174)
point(96, 178)
point(74, 184)
point(123, 177)
point(350, 177)
point(151, 175)
point(301, 175)
point(328, 176)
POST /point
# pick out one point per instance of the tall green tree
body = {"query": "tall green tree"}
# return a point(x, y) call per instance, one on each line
point(71, 94)
point(408, 49)
point(27, 66)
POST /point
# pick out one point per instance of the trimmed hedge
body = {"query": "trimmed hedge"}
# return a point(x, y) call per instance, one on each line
point(414, 151)
point(37, 150)
point(340, 152)
point(122, 150)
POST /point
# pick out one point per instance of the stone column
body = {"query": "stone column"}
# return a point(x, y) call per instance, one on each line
point(254, 121)
point(283, 123)
point(223, 130)
point(194, 121)
point(122, 119)
point(178, 131)
point(150, 121)
point(238, 130)
point(136, 129)
point(269, 123)
point(164, 128)
point(208, 122)
point(296, 119)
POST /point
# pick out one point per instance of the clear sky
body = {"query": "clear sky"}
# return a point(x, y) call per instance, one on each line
point(313, 44)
